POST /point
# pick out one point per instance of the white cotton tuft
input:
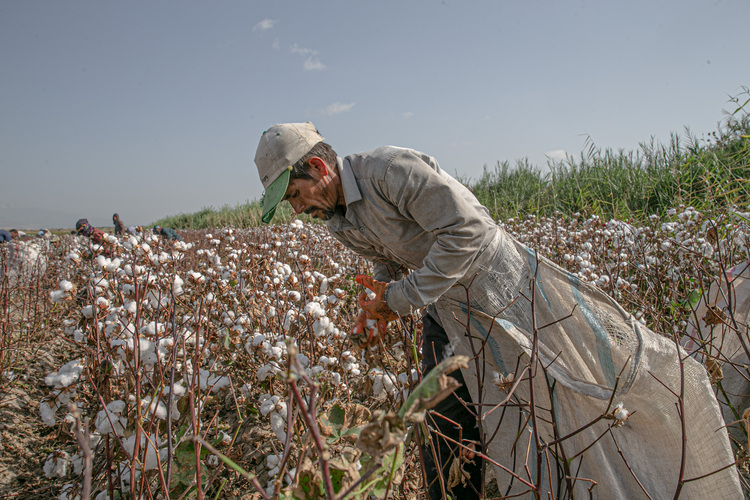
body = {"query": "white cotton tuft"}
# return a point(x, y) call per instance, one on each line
point(57, 464)
point(66, 375)
point(48, 412)
point(149, 442)
point(111, 421)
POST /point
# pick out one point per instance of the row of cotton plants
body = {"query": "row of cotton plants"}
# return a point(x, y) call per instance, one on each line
point(656, 270)
point(189, 338)
point(216, 336)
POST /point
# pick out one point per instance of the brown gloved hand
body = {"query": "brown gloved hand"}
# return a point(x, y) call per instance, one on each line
point(364, 335)
point(376, 308)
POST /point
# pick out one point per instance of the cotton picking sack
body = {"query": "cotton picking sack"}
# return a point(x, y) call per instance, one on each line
point(557, 348)
point(718, 336)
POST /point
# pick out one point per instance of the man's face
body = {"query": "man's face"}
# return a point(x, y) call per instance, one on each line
point(311, 196)
point(316, 196)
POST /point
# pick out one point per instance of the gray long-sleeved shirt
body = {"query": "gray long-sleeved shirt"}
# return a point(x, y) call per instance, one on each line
point(402, 209)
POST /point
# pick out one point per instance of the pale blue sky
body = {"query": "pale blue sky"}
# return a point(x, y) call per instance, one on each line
point(155, 108)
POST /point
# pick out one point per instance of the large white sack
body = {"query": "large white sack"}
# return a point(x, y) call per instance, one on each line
point(588, 345)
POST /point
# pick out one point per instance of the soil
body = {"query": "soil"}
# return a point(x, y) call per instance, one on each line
point(25, 441)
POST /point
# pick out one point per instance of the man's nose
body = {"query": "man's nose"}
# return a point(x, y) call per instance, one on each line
point(296, 206)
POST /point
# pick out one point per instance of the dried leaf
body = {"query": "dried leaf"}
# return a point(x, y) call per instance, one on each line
point(713, 367)
point(380, 436)
point(712, 235)
point(435, 387)
point(714, 316)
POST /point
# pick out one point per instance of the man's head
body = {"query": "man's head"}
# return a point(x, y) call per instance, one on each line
point(293, 157)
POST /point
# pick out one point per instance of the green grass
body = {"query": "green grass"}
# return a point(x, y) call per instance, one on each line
point(240, 216)
point(709, 174)
point(712, 174)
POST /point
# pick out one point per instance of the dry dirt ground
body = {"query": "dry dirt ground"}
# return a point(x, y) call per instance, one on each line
point(25, 441)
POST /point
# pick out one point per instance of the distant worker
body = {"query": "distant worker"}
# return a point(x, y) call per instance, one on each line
point(119, 226)
point(5, 236)
point(135, 230)
point(83, 228)
point(167, 232)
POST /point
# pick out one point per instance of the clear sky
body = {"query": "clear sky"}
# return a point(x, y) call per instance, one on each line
point(153, 108)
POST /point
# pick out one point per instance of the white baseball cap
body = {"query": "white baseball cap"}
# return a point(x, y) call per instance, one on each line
point(280, 147)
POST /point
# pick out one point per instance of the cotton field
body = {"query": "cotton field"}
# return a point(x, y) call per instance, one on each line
point(221, 366)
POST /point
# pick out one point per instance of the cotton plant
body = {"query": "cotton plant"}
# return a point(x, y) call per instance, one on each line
point(128, 295)
point(275, 409)
point(62, 381)
point(384, 383)
point(66, 292)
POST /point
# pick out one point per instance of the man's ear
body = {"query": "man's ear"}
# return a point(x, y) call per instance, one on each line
point(319, 165)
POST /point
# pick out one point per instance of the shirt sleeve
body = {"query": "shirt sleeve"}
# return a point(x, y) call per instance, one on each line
point(443, 207)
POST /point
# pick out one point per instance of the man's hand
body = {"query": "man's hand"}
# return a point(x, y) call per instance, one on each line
point(374, 309)
point(365, 334)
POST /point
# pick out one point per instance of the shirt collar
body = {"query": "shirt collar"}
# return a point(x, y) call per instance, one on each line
point(348, 181)
point(352, 194)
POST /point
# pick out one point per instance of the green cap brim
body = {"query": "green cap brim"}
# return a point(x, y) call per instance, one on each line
point(274, 194)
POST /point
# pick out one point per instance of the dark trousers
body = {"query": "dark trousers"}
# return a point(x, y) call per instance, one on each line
point(435, 342)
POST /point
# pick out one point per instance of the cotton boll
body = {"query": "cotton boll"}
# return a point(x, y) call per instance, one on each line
point(149, 442)
point(113, 265)
point(620, 414)
point(77, 462)
point(154, 408)
point(57, 464)
point(102, 303)
point(115, 423)
point(149, 355)
point(278, 426)
point(130, 307)
point(66, 395)
point(320, 326)
point(289, 318)
point(270, 403)
point(314, 310)
point(178, 389)
point(177, 285)
point(67, 493)
point(303, 360)
point(66, 375)
point(87, 311)
point(219, 383)
point(47, 410)
point(196, 277)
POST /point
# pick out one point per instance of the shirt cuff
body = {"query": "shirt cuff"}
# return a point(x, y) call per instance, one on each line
point(396, 299)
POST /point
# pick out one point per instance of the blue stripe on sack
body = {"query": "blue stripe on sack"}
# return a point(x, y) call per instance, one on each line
point(603, 347)
point(497, 356)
